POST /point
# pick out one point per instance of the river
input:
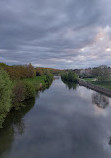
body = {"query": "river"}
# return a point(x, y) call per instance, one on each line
point(65, 121)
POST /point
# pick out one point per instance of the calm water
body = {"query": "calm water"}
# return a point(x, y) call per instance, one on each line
point(65, 121)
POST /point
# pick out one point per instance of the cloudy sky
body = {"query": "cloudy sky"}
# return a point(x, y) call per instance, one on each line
point(55, 33)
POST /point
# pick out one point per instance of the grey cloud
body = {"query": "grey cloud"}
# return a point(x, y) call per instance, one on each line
point(52, 33)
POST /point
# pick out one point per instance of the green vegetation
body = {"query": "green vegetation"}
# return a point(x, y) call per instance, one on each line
point(70, 85)
point(101, 77)
point(104, 84)
point(36, 81)
point(20, 71)
point(69, 76)
point(40, 71)
point(26, 89)
point(13, 122)
point(102, 73)
point(29, 90)
point(5, 95)
point(20, 83)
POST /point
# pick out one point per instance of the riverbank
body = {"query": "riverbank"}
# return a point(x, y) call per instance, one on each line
point(26, 89)
point(95, 87)
point(103, 84)
point(60, 123)
point(18, 91)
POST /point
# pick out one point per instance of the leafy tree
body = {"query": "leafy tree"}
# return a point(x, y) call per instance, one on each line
point(29, 90)
point(30, 71)
point(70, 76)
point(102, 73)
point(20, 71)
point(3, 65)
point(5, 94)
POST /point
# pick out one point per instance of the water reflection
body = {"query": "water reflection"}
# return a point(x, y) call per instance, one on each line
point(57, 77)
point(110, 141)
point(47, 86)
point(100, 100)
point(61, 124)
point(70, 85)
point(13, 124)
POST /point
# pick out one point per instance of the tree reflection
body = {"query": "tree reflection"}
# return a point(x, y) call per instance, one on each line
point(100, 100)
point(109, 141)
point(13, 124)
point(70, 85)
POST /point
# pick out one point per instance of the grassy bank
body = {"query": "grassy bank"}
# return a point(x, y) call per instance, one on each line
point(103, 84)
point(38, 82)
point(26, 89)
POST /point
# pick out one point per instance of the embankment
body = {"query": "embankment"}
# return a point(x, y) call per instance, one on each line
point(105, 91)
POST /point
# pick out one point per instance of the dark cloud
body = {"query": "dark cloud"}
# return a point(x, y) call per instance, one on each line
point(54, 33)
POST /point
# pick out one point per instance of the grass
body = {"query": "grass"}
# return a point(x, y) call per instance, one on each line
point(36, 81)
point(104, 84)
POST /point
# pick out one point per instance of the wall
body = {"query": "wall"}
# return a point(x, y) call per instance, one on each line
point(94, 87)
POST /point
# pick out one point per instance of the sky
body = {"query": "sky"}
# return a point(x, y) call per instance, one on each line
point(55, 33)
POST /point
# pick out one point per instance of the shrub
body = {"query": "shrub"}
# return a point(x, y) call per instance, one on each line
point(48, 80)
point(18, 95)
point(70, 76)
point(5, 94)
point(20, 71)
point(29, 90)
point(23, 90)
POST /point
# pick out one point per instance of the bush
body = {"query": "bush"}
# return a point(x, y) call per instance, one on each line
point(5, 94)
point(29, 90)
point(70, 76)
point(18, 95)
point(48, 80)
point(20, 71)
point(23, 90)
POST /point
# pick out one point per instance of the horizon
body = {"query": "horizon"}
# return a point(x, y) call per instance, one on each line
point(58, 68)
point(70, 35)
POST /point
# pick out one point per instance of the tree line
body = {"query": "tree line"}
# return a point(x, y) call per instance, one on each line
point(69, 76)
point(100, 73)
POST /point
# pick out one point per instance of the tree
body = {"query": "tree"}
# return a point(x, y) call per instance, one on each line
point(70, 76)
point(102, 73)
point(5, 94)
point(20, 71)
